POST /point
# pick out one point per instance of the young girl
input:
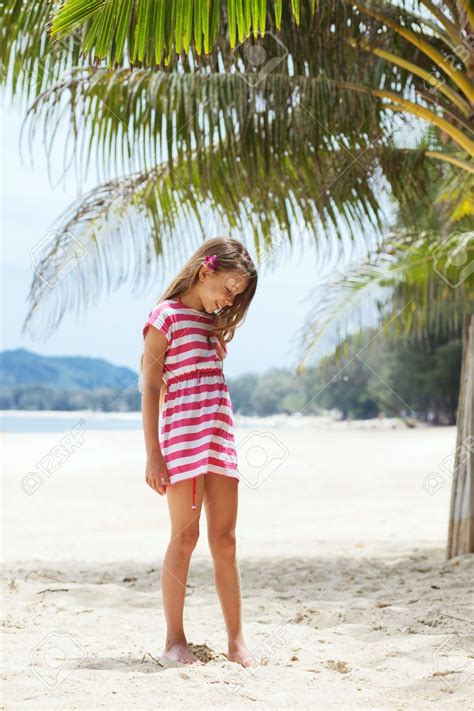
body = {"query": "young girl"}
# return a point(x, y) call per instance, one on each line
point(188, 427)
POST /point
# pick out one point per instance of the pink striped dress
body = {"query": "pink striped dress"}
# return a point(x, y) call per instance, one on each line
point(196, 423)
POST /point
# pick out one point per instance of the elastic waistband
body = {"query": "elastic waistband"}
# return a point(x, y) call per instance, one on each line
point(196, 373)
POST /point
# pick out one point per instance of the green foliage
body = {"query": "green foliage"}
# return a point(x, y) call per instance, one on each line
point(414, 285)
point(371, 376)
point(346, 387)
point(242, 389)
point(271, 390)
point(43, 397)
point(268, 153)
point(151, 32)
point(428, 381)
point(419, 380)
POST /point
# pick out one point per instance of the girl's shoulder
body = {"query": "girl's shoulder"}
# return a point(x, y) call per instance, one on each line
point(166, 303)
point(167, 307)
point(162, 317)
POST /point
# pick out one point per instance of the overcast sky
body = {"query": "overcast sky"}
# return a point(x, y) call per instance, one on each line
point(112, 330)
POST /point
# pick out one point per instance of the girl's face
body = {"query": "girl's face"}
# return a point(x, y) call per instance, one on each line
point(219, 289)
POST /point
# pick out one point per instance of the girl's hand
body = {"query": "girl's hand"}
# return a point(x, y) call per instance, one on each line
point(156, 474)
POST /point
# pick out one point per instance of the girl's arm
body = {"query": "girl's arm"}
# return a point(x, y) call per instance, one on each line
point(155, 346)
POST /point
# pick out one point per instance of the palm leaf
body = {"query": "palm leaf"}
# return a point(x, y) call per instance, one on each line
point(413, 284)
point(133, 112)
point(126, 227)
point(30, 59)
point(110, 21)
point(313, 47)
point(107, 20)
point(119, 106)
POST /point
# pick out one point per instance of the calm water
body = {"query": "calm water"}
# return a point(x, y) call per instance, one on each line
point(22, 421)
point(55, 422)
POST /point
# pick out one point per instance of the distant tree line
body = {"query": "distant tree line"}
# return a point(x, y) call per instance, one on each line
point(411, 380)
point(394, 380)
point(45, 397)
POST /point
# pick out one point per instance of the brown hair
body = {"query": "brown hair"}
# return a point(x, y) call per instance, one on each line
point(231, 256)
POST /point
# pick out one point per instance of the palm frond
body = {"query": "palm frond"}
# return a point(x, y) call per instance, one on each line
point(321, 43)
point(133, 120)
point(465, 12)
point(416, 191)
point(150, 33)
point(126, 226)
point(414, 284)
point(30, 59)
point(121, 112)
point(127, 114)
point(457, 196)
point(122, 31)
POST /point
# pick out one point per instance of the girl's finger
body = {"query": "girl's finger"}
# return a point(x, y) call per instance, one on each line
point(155, 486)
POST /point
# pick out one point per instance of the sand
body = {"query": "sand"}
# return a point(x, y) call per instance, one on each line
point(348, 600)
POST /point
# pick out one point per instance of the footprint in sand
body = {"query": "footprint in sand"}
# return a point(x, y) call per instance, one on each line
point(206, 654)
point(299, 617)
point(341, 667)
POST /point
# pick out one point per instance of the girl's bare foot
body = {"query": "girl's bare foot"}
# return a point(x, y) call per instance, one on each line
point(180, 652)
point(239, 653)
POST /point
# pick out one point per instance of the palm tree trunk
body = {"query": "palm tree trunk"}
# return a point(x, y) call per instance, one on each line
point(461, 515)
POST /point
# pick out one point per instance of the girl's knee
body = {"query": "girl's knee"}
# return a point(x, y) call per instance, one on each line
point(185, 541)
point(223, 545)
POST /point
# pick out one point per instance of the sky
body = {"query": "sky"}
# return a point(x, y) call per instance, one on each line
point(112, 329)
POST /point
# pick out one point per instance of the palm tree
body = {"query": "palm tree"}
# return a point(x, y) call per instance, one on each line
point(434, 48)
point(210, 133)
point(417, 284)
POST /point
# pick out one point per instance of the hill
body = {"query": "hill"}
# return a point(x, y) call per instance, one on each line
point(22, 367)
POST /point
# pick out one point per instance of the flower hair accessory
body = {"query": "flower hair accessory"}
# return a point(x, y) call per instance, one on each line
point(210, 261)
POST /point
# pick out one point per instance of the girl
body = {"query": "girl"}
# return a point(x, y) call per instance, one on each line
point(188, 427)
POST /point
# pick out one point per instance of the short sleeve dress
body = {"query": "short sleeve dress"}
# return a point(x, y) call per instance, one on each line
point(196, 424)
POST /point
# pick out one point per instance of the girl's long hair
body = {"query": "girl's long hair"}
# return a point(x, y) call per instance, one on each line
point(231, 256)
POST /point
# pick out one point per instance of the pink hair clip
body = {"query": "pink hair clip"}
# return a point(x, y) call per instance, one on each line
point(211, 262)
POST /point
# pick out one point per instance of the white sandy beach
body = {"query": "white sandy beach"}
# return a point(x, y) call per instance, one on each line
point(348, 601)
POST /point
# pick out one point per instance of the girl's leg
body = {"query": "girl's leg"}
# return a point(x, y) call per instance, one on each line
point(221, 502)
point(184, 536)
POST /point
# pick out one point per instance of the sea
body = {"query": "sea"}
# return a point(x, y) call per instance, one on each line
point(55, 421)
